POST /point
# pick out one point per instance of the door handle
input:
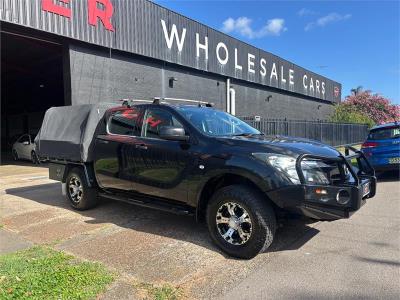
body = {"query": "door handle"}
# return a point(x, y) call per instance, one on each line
point(141, 146)
point(103, 141)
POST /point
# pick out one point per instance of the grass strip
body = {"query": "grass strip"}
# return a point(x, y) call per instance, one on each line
point(162, 292)
point(43, 273)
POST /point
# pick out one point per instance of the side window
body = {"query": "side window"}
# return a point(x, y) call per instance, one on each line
point(125, 122)
point(24, 138)
point(156, 118)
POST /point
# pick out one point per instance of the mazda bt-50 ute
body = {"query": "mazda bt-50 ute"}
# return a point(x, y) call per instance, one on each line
point(197, 160)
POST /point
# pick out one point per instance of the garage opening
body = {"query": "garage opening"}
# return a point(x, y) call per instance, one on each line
point(31, 82)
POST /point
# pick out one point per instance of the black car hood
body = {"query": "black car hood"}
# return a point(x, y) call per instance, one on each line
point(281, 144)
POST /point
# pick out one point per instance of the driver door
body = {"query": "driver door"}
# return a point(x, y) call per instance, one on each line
point(164, 163)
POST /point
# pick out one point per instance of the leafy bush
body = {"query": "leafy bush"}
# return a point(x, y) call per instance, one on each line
point(348, 114)
point(374, 106)
point(366, 108)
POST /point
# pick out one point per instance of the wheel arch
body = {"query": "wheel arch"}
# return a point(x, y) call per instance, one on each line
point(222, 180)
point(87, 171)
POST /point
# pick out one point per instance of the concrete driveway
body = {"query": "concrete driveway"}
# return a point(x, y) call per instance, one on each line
point(358, 257)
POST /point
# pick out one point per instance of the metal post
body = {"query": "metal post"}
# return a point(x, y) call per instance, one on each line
point(320, 130)
point(232, 99)
point(228, 100)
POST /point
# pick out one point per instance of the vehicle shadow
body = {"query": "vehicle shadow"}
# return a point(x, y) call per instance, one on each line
point(389, 176)
point(292, 233)
point(6, 159)
point(392, 263)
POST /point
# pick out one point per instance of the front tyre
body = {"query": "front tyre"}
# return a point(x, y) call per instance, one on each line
point(34, 158)
point(241, 221)
point(80, 195)
point(15, 155)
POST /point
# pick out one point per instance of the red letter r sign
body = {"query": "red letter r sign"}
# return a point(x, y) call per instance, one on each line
point(103, 14)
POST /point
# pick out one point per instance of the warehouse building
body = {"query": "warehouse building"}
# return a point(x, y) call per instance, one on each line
point(68, 52)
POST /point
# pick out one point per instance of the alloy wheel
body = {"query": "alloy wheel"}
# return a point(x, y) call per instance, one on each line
point(75, 189)
point(234, 223)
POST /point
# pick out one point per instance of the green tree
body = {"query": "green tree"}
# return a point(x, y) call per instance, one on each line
point(364, 107)
point(358, 90)
point(375, 106)
point(346, 114)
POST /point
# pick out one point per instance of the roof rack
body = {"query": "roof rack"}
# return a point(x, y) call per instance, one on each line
point(128, 102)
point(158, 100)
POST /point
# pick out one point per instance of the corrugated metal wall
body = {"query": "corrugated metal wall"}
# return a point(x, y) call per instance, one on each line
point(138, 30)
point(97, 77)
point(101, 76)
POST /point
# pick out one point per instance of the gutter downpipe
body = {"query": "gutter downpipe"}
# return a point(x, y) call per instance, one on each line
point(228, 100)
point(232, 98)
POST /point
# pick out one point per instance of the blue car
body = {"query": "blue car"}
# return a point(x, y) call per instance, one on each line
point(382, 147)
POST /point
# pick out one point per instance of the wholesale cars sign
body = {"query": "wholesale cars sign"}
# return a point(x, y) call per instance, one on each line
point(144, 28)
point(274, 74)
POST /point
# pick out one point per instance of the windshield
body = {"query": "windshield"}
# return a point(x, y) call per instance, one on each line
point(385, 133)
point(216, 123)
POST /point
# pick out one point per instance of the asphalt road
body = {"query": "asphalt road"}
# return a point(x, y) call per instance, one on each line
point(357, 258)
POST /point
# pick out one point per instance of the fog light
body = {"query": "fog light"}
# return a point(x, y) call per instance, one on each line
point(343, 197)
point(321, 192)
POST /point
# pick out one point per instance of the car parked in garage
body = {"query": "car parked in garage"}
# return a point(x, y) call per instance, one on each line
point(24, 148)
point(382, 147)
point(197, 160)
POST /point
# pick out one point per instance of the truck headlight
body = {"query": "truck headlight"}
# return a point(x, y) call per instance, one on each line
point(284, 163)
point(316, 171)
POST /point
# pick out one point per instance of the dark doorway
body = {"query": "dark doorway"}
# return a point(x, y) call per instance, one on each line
point(31, 82)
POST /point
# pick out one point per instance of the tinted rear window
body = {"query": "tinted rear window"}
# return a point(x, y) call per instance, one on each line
point(385, 133)
point(125, 122)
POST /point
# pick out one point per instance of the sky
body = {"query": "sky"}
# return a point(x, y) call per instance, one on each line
point(356, 43)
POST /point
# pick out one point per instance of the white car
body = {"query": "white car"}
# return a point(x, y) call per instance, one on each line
point(24, 148)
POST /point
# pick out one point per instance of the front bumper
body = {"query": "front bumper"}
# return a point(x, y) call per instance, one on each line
point(305, 200)
point(323, 202)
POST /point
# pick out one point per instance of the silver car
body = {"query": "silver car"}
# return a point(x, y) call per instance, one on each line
point(24, 148)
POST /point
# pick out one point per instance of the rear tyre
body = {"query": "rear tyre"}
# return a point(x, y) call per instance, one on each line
point(241, 221)
point(80, 195)
point(15, 155)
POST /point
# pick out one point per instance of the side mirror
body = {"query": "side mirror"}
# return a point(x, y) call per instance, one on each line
point(173, 133)
point(26, 143)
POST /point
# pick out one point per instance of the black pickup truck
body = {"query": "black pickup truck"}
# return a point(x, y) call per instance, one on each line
point(197, 160)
